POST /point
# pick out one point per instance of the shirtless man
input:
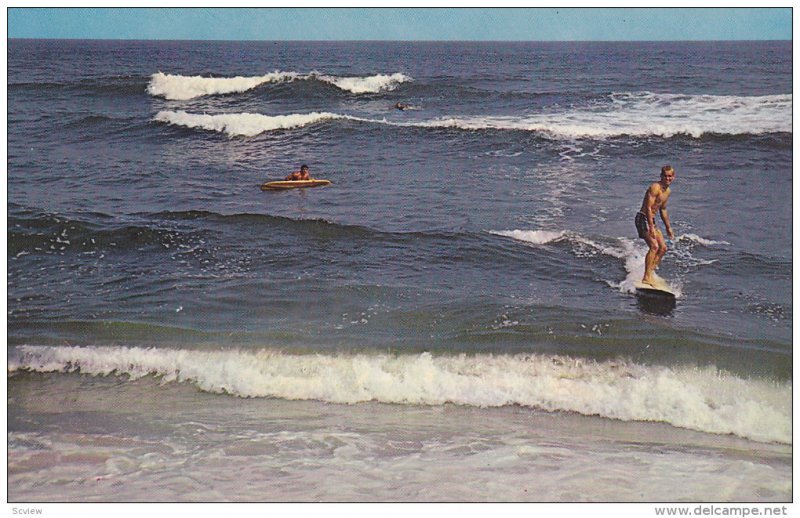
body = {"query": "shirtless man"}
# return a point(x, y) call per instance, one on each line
point(302, 174)
point(655, 199)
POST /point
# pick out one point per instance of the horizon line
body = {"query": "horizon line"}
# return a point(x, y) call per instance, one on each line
point(396, 41)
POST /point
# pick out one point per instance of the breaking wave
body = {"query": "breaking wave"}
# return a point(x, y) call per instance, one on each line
point(645, 114)
point(636, 115)
point(243, 124)
point(631, 252)
point(181, 88)
point(703, 399)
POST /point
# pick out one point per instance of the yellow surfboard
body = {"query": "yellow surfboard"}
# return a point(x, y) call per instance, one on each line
point(293, 184)
point(660, 288)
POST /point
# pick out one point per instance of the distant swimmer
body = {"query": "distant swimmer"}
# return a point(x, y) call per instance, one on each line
point(302, 174)
point(655, 199)
point(401, 106)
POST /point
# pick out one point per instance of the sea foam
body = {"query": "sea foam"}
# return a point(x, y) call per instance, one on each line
point(703, 399)
point(536, 237)
point(642, 114)
point(181, 88)
point(370, 84)
point(243, 124)
point(639, 115)
point(630, 251)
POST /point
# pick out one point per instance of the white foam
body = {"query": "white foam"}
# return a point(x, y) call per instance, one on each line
point(243, 124)
point(645, 114)
point(703, 399)
point(633, 253)
point(181, 88)
point(177, 87)
point(628, 250)
point(640, 116)
point(536, 237)
point(701, 240)
point(370, 84)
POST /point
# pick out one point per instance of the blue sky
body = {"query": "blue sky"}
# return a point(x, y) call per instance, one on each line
point(524, 24)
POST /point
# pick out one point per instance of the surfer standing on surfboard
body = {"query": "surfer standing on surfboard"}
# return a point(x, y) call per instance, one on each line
point(655, 199)
point(302, 174)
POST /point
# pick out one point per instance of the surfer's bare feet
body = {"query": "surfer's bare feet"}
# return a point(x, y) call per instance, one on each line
point(648, 282)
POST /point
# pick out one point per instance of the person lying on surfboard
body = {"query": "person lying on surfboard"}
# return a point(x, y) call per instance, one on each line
point(655, 199)
point(302, 174)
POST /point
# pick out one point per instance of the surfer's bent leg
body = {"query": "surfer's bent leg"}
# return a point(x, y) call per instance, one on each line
point(652, 256)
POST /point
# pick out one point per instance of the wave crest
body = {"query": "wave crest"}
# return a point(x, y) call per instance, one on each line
point(703, 399)
point(635, 115)
point(630, 251)
point(243, 124)
point(183, 88)
point(536, 237)
point(371, 84)
point(643, 114)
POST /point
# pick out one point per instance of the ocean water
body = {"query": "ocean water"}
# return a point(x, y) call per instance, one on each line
point(452, 319)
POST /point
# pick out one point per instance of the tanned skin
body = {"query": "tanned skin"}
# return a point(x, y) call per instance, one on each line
point(302, 174)
point(655, 200)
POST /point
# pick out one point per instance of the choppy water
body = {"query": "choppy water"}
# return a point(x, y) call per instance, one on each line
point(475, 255)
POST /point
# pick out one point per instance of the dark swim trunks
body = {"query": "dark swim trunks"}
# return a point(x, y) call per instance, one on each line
point(641, 224)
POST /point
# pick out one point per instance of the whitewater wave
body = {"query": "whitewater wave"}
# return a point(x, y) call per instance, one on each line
point(645, 114)
point(363, 85)
point(630, 251)
point(536, 237)
point(637, 115)
point(243, 124)
point(181, 88)
point(703, 399)
point(701, 240)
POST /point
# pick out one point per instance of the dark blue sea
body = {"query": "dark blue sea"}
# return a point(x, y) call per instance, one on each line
point(453, 318)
